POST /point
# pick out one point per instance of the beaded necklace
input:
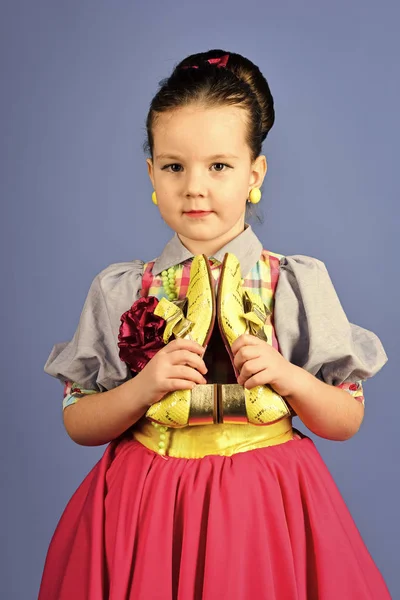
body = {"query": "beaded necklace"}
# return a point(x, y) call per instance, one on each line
point(169, 283)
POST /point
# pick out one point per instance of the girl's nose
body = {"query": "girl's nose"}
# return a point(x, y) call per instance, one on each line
point(195, 184)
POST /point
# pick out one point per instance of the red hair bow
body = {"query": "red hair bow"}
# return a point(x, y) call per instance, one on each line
point(222, 61)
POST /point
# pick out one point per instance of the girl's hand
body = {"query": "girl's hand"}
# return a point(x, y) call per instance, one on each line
point(177, 366)
point(259, 364)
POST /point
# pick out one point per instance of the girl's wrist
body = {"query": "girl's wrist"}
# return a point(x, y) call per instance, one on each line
point(302, 383)
point(131, 400)
point(295, 380)
point(141, 397)
point(137, 394)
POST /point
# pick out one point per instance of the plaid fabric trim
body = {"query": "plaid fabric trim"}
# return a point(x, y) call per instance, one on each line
point(73, 392)
point(263, 278)
point(355, 389)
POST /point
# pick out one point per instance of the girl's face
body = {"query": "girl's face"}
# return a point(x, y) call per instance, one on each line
point(202, 163)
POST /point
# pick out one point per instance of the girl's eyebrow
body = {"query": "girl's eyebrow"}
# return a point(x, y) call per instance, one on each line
point(214, 157)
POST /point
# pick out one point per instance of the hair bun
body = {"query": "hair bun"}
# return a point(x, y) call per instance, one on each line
point(246, 71)
point(249, 73)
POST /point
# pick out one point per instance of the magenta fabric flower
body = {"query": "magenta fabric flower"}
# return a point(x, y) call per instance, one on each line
point(141, 333)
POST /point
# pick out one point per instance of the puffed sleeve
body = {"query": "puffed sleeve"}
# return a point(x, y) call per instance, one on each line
point(313, 331)
point(90, 361)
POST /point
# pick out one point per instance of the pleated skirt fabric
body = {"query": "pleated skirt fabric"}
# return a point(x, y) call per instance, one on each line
point(267, 524)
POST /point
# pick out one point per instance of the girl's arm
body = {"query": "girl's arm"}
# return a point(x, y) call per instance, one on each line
point(326, 410)
point(99, 418)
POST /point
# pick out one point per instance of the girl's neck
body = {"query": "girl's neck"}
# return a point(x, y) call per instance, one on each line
point(211, 247)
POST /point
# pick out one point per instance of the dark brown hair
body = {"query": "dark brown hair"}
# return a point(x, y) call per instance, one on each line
point(240, 83)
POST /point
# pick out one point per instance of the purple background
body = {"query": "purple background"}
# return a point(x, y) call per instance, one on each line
point(76, 81)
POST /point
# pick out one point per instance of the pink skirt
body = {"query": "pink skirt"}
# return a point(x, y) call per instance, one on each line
point(265, 524)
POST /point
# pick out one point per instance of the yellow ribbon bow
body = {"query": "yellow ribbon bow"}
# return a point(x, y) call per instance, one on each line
point(256, 314)
point(176, 322)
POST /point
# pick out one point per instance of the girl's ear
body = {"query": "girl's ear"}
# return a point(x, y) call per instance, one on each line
point(150, 170)
point(258, 171)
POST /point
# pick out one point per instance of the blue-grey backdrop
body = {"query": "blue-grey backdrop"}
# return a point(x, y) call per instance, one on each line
point(76, 82)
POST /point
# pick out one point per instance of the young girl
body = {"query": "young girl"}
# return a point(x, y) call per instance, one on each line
point(192, 366)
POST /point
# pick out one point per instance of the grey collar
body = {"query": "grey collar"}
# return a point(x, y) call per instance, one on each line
point(246, 247)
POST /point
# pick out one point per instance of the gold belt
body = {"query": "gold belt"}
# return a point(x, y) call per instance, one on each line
point(224, 439)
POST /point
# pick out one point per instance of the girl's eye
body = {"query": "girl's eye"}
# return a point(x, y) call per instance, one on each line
point(220, 165)
point(173, 165)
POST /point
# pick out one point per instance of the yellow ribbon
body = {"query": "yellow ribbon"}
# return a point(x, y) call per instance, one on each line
point(176, 322)
point(256, 314)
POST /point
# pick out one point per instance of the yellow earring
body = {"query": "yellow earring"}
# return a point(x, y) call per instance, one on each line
point(255, 196)
point(154, 198)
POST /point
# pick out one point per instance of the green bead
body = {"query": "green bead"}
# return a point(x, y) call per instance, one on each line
point(161, 444)
point(171, 296)
point(162, 436)
point(171, 270)
point(164, 273)
point(163, 429)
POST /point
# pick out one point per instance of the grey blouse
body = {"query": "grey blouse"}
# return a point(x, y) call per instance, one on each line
point(313, 330)
point(311, 326)
point(91, 358)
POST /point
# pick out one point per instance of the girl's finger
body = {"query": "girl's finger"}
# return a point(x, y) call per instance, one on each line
point(186, 357)
point(183, 344)
point(183, 372)
point(244, 354)
point(245, 340)
point(173, 385)
point(252, 367)
point(261, 378)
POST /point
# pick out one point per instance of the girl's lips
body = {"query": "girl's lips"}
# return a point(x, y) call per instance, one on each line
point(198, 213)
